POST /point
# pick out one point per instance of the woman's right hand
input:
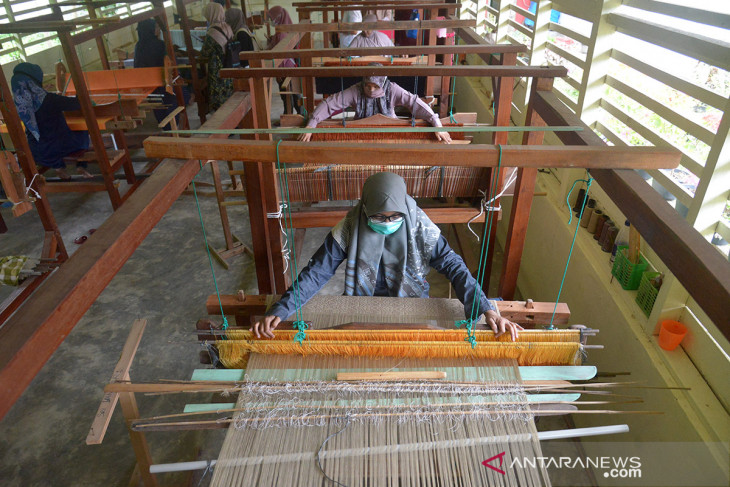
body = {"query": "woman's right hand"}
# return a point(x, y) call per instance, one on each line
point(305, 137)
point(265, 328)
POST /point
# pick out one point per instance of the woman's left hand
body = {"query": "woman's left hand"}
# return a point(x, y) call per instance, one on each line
point(501, 325)
point(443, 137)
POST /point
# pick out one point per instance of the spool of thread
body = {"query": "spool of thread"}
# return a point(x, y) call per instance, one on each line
point(579, 201)
point(610, 238)
point(604, 232)
point(599, 226)
point(585, 219)
point(593, 223)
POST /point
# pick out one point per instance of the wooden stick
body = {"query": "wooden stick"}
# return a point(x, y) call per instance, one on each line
point(154, 419)
point(472, 155)
point(389, 376)
point(141, 426)
point(109, 401)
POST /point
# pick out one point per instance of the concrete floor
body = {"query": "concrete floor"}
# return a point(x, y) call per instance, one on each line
point(166, 282)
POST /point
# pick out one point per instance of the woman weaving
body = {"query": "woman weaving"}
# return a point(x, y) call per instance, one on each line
point(374, 95)
point(388, 244)
point(49, 137)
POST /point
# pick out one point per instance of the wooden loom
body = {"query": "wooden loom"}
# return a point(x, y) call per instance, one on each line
point(505, 393)
point(435, 182)
point(108, 161)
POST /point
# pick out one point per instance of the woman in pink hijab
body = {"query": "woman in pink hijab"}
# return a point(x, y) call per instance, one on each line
point(371, 38)
point(214, 47)
point(372, 96)
point(279, 16)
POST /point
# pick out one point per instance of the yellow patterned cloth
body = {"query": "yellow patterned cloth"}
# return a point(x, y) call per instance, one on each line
point(11, 268)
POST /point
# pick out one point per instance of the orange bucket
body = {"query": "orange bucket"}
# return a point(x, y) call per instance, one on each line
point(671, 334)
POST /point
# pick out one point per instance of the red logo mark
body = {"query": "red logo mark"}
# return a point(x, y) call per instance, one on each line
point(487, 462)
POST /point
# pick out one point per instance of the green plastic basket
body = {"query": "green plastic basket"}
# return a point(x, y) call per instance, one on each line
point(647, 293)
point(628, 274)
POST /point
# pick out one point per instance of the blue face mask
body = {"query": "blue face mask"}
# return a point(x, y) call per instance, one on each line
point(385, 228)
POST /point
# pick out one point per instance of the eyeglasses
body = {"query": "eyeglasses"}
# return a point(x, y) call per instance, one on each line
point(386, 219)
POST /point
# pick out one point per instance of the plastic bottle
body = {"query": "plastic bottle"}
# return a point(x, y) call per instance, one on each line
point(621, 239)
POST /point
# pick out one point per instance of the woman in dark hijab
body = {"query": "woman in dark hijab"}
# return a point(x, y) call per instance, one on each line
point(388, 244)
point(234, 18)
point(49, 137)
point(150, 50)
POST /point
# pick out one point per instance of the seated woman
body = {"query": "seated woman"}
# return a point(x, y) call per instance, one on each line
point(349, 17)
point(234, 18)
point(49, 137)
point(218, 35)
point(371, 38)
point(279, 16)
point(388, 244)
point(373, 95)
point(150, 52)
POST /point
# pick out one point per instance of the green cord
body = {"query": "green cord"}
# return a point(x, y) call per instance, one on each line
point(471, 320)
point(575, 234)
point(453, 85)
point(299, 324)
point(207, 248)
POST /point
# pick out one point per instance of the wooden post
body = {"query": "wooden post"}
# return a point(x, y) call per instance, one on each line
point(307, 81)
point(82, 93)
point(268, 195)
point(522, 202)
point(503, 110)
point(200, 94)
point(446, 82)
point(162, 19)
point(430, 80)
point(127, 161)
point(103, 57)
point(138, 439)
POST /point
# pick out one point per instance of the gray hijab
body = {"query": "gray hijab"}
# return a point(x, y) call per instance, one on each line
point(380, 102)
point(405, 253)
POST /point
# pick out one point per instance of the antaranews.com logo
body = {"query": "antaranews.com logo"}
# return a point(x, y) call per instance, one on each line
point(623, 464)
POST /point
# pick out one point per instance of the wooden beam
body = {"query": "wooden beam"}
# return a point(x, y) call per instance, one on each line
point(384, 51)
point(538, 314)
point(364, 3)
point(87, 108)
point(698, 266)
point(32, 334)
point(382, 6)
point(413, 70)
point(35, 27)
point(380, 25)
point(328, 217)
point(522, 201)
point(472, 155)
point(91, 34)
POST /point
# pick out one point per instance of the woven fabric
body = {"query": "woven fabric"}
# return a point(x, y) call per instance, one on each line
point(10, 269)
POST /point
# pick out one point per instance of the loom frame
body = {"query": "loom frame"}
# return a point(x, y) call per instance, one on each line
point(270, 274)
point(54, 22)
point(46, 317)
point(121, 390)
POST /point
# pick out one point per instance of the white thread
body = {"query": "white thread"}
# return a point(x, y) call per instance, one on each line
point(285, 250)
point(29, 188)
point(484, 206)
